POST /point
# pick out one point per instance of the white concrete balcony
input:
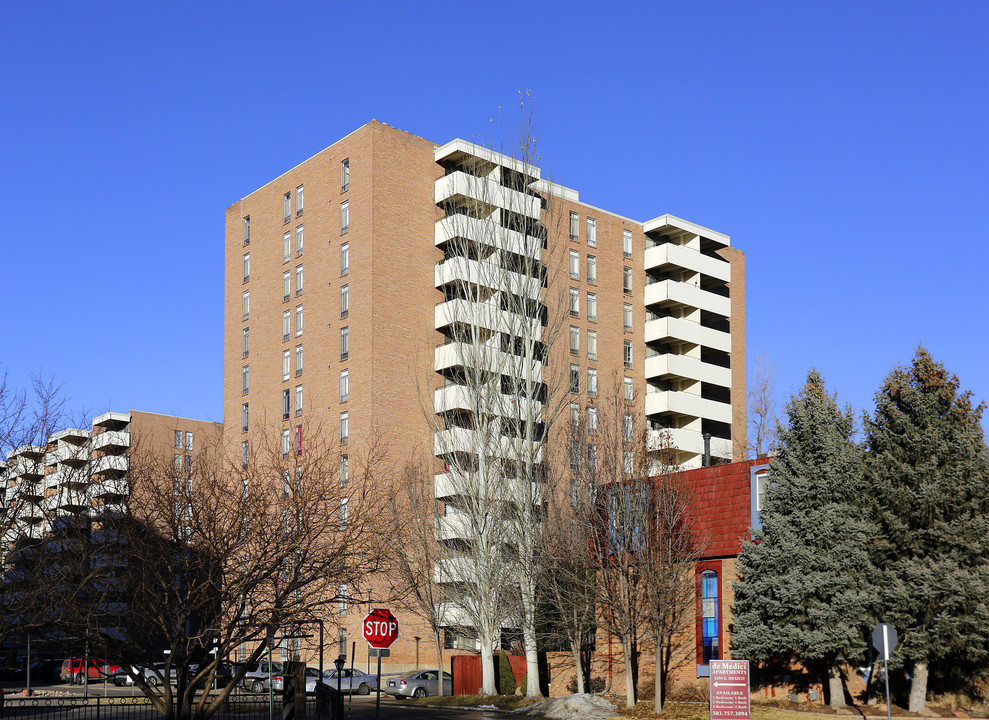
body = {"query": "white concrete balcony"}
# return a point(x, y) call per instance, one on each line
point(665, 329)
point(111, 419)
point(453, 615)
point(453, 527)
point(487, 315)
point(110, 487)
point(489, 444)
point(111, 439)
point(448, 485)
point(459, 228)
point(459, 397)
point(67, 477)
point(688, 259)
point(27, 452)
point(24, 469)
point(65, 453)
point(486, 356)
point(689, 441)
point(681, 403)
point(110, 464)
point(26, 492)
point(29, 512)
point(671, 291)
point(453, 570)
point(680, 366)
point(485, 190)
point(462, 271)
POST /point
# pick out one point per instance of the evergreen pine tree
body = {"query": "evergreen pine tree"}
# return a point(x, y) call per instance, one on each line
point(928, 468)
point(805, 586)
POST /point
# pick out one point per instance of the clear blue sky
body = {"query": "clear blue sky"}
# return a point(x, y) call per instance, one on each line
point(844, 146)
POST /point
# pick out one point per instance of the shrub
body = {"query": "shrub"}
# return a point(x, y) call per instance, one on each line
point(595, 686)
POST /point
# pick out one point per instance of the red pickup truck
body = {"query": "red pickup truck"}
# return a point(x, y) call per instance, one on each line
point(75, 670)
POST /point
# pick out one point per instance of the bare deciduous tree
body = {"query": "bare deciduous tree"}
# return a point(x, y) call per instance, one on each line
point(763, 415)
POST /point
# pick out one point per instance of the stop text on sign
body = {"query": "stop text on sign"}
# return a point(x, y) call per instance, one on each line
point(380, 628)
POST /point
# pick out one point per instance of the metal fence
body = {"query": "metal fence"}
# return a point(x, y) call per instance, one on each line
point(137, 708)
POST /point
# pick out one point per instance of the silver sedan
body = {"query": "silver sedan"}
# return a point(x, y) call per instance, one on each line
point(419, 684)
point(351, 681)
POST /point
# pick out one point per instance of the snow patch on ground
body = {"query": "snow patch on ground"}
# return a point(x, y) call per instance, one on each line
point(582, 706)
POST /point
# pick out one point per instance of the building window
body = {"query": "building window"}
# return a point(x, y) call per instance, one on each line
point(342, 643)
point(628, 427)
point(345, 258)
point(592, 306)
point(592, 420)
point(244, 416)
point(344, 216)
point(344, 470)
point(627, 316)
point(342, 607)
point(574, 302)
point(344, 174)
point(592, 345)
point(286, 285)
point(759, 483)
point(299, 197)
point(344, 427)
point(286, 324)
point(592, 269)
point(344, 300)
point(286, 443)
point(575, 265)
point(344, 384)
point(298, 320)
point(627, 243)
point(286, 403)
point(299, 280)
point(709, 617)
point(298, 400)
point(244, 453)
point(629, 388)
point(592, 381)
point(592, 232)
point(343, 511)
point(574, 340)
point(299, 240)
point(247, 267)
point(247, 304)
point(627, 281)
point(286, 364)
point(628, 353)
point(245, 378)
point(247, 229)
point(298, 439)
point(245, 342)
point(178, 438)
point(575, 415)
point(286, 246)
point(287, 206)
point(298, 360)
point(574, 225)
point(575, 378)
point(344, 343)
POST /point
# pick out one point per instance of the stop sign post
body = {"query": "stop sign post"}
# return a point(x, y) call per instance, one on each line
point(884, 639)
point(380, 628)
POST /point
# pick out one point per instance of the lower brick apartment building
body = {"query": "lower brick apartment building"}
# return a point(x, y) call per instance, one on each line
point(350, 306)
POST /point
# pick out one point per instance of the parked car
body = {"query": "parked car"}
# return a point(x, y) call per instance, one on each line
point(152, 676)
point(419, 684)
point(75, 670)
point(256, 677)
point(312, 676)
point(351, 681)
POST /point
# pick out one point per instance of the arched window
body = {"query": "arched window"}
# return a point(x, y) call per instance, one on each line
point(709, 616)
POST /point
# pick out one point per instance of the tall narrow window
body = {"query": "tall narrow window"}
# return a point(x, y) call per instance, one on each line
point(592, 306)
point(575, 264)
point(709, 617)
point(574, 302)
point(287, 206)
point(298, 360)
point(286, 443)
point(344, 343)
point(286, 364)
point(592, 345)
point(344, 427)
point(574, 225)
point(342, 643)
point(592, 381)
point(245, 379)
point(188, 441)
point(298, 281)
point(344, 174)
point(299, 196)
point(247, 267)
point(627, 316)
point(245, 343)
point(627, 280)
point(244, 416)
point(344, 216)
point(627, 242)
point(592, 232)
point(344, 300)
point(629, 388)
point(244, 453)
point(575, 415)
point(286, 403)
point(298, 319)
point(628, 427)
point(298, 400)
point(286, 324)
point(343, 511)
point(342, 607)
point(286, 246)
point(344, 470)
point(592, 269)
point(298, 439)
point(299, 240)
point(345, 258)
point(628, 353)
point(344, 385)
point(178, 438)
point(247, 229)
point(286, 285)
point(574, 340)
point(575, 378)
point(592, 420)
point(247, 304)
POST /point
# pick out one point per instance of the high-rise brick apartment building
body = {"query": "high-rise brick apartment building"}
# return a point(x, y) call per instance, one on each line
point(335, 307)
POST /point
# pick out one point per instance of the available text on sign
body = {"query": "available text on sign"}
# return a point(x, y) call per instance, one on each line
point(730, 690)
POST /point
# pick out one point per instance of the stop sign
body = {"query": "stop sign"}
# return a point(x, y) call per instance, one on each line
point(380, 628)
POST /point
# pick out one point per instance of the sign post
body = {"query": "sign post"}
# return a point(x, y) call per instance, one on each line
point(730, 698)
point(380, 629)
point(884, 640)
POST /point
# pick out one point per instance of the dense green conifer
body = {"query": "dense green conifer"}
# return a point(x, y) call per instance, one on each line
point(806, 587)
point(928, 470)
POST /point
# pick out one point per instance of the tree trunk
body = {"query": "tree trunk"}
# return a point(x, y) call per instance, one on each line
point(487, 668)
point(579, 667)
point(918, 688)
point(658, 697)
point(439, 662)
point(629, 679)
point(532, 688)
point(836, 688)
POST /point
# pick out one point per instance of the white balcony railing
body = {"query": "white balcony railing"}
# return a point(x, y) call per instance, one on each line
point(687, 331)
point(687, 294)
point(688, 259)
